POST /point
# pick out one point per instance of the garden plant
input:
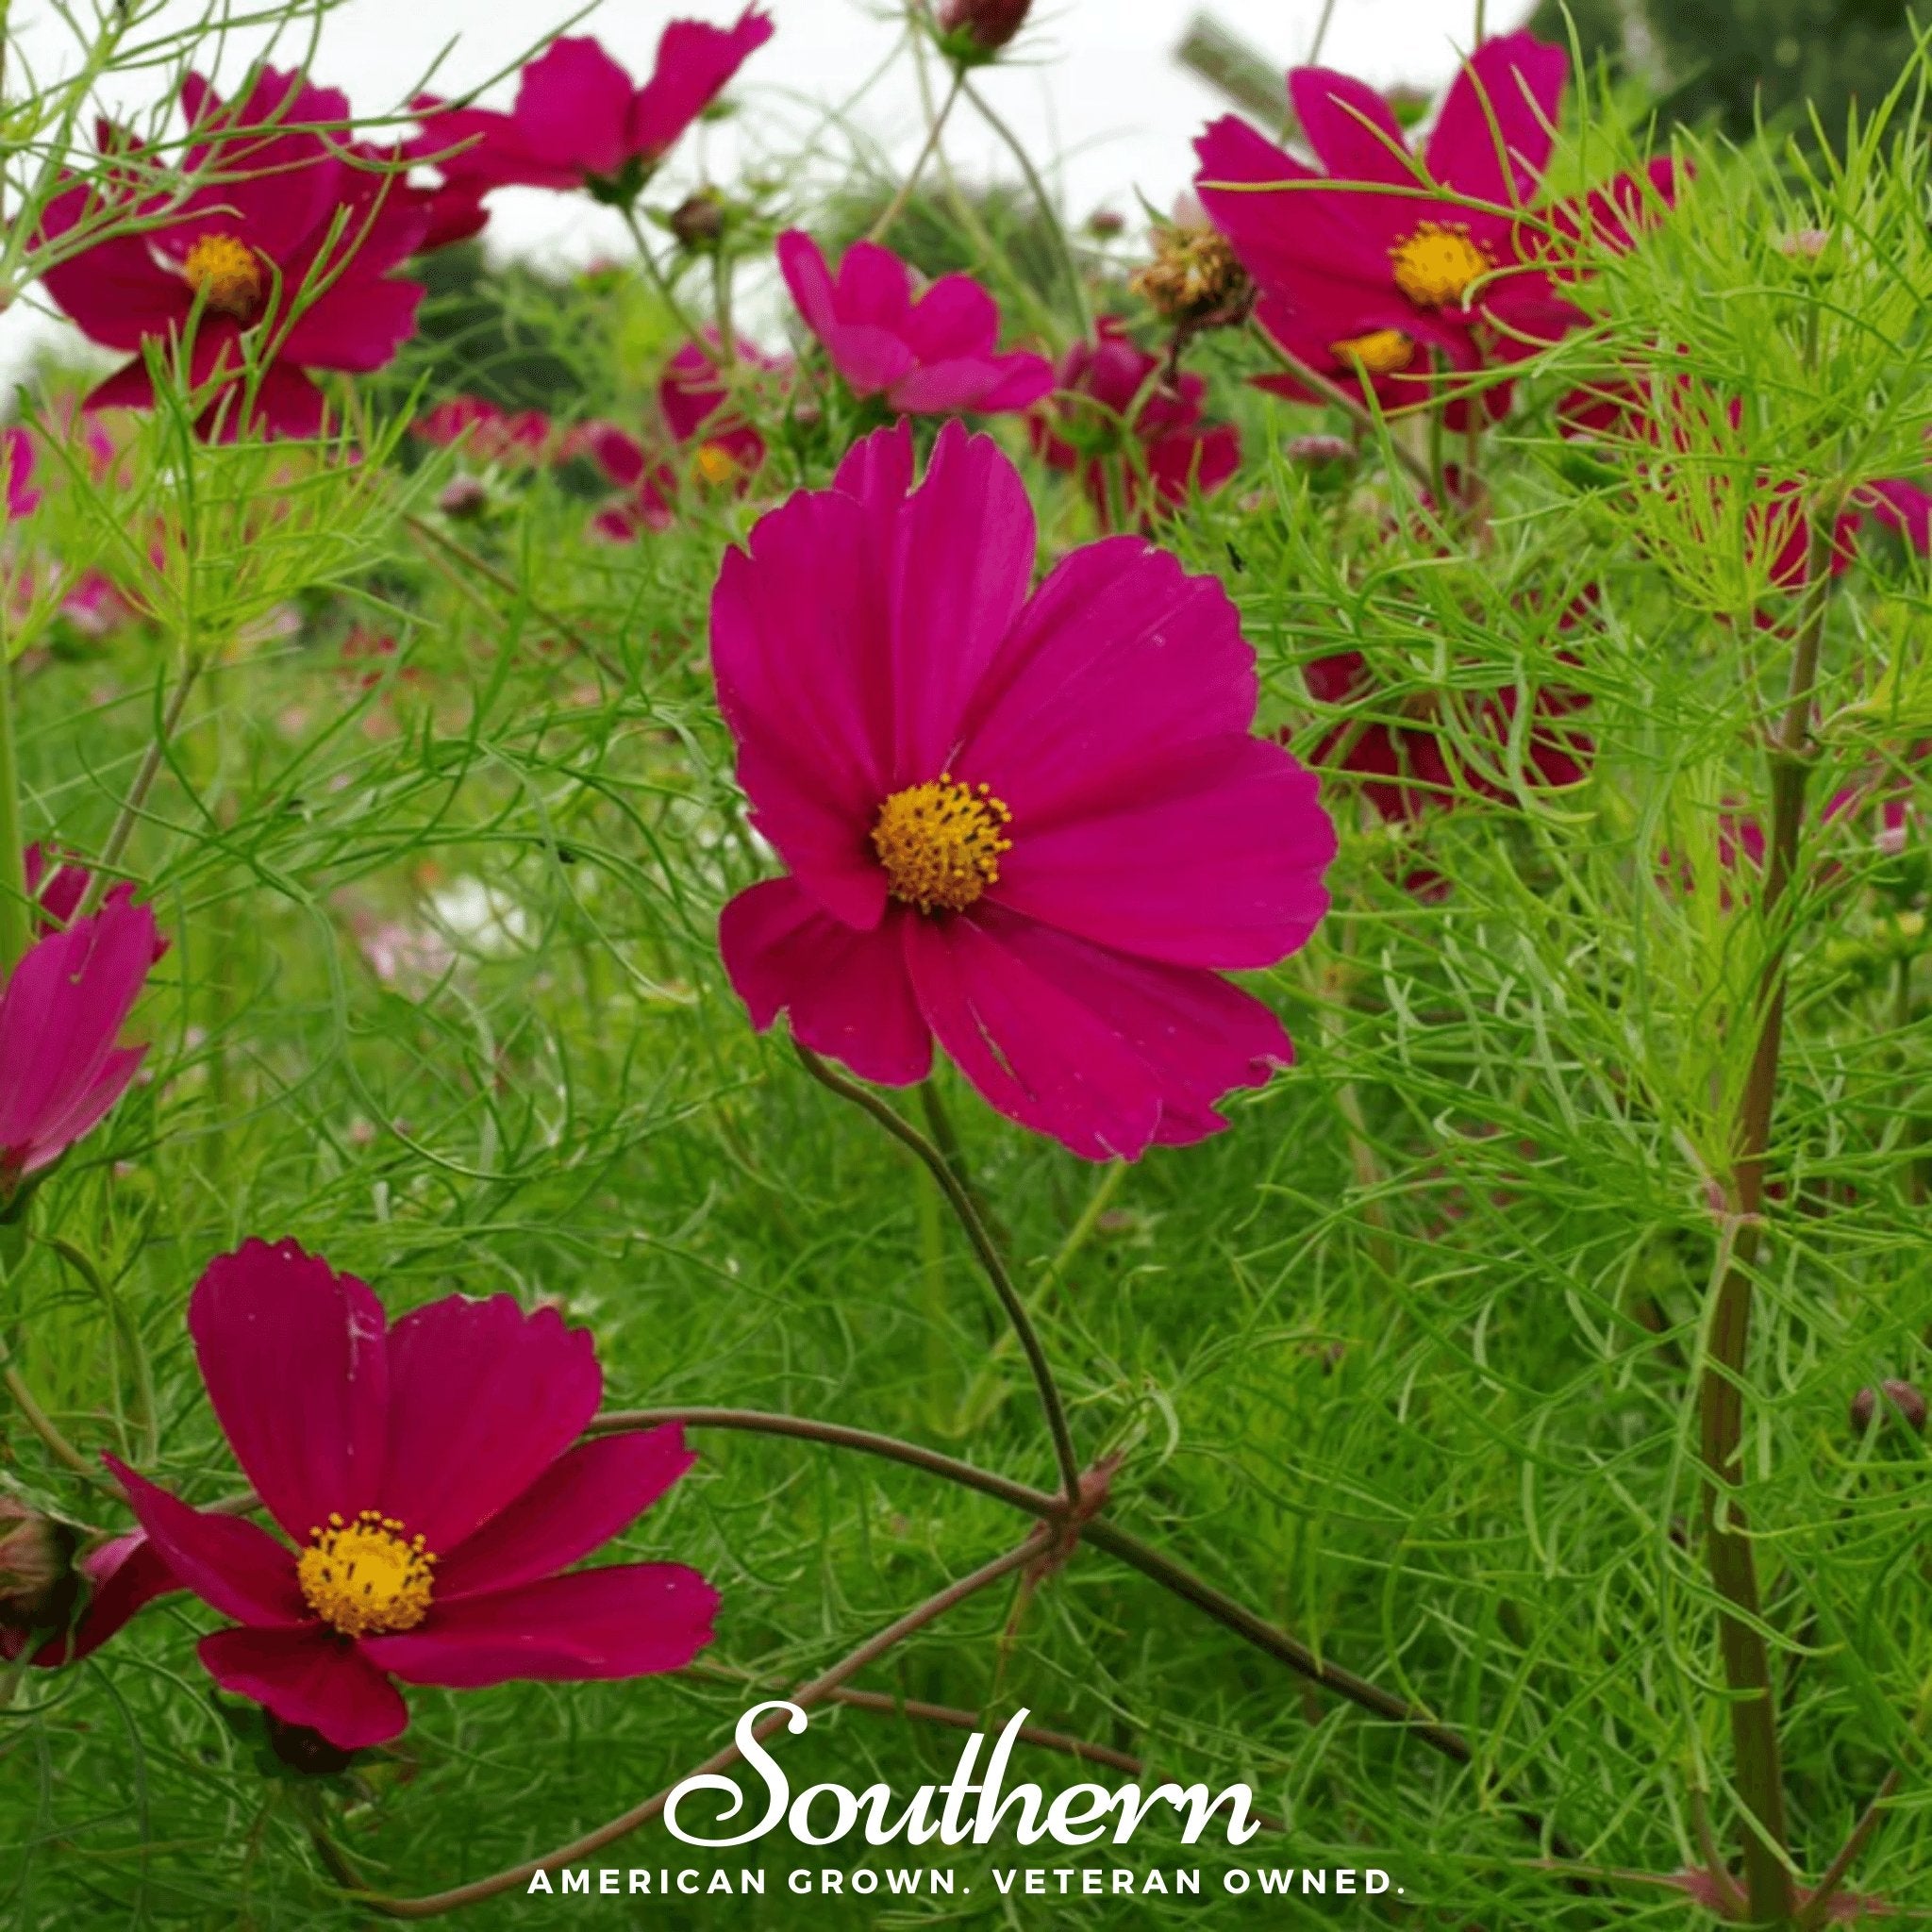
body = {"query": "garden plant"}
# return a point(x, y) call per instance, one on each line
point(949, 958)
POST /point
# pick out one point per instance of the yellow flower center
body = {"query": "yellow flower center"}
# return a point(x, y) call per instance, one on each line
point(365, 1577)
point(227, 272)
point(941, 842)
point(715, 463)
point(1435, 264)
point(1381, 352)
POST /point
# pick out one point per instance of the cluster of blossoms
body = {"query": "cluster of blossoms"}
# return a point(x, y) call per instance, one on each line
point(1026, 819)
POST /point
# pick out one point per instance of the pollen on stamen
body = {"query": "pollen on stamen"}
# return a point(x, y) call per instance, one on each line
point(1435, 265)
point(941, 842)
point(367, 1577)
point(227, 274)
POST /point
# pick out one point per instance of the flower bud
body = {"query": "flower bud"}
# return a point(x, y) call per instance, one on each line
point(699, 220)
point(37, 1580)
point(1903, 1397)
point(974, 31)
point(464, 498)
point(1104, 223)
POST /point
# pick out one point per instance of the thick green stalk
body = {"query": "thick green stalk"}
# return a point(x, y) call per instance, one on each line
point(1758, 1772)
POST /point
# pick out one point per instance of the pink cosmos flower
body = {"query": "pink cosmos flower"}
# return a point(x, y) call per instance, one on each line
point(579, 121)
point(1389, 259)
point(120, 1575)
point(487, 433)
point(248, 258)
point(1126, 434)
point(61, 1012)
point(725, 452)
point(928, 353)
point(428, 1478)
point(57, 892)
point(1408, 764)
point(1034, 825)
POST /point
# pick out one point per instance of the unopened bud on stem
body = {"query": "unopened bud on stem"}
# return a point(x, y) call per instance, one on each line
point(974, 31)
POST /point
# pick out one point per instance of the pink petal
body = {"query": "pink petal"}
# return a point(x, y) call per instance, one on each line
point(1213, 857)
point(60, 1014)
point(227, 1561)
point(799, 646)
point(482, 1400)
point(1020, 380)
point(1501, 109)
point(1119, 657)
point(574, 108)
point(1294, 233)
point(695, 63)
point(874, 289)
point(847, 991)
point(962, 567)
point(871, 359)
point(590, 1494)
point(802, 262)
point(1038, 1055)
point(877, 469)
point(124, 1575)
point(294, 1357)
point(632, 1620)
point(1351, 127)
point(115, 292)
point(357, 326)
point(955, 318)
point(1200, 1036)
point(309, 1678)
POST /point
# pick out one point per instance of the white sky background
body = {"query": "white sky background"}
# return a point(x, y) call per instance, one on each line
point(1095, 95)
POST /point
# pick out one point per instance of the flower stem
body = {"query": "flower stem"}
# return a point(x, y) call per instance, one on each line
point(1052, 1406)
point(1048, 212)
point(1720, 1389)
point(16, 914)
point(1103, 1534)
point(123, 828)
point(896, 206)
point(817, 1691)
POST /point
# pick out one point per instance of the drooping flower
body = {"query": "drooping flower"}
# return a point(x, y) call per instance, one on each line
point(248, 258)
point(57, 1606)
point(931, 352)
point(429, 1480)
point(1034, 825)
point(61, 1012)
point(580, 122)
point(1129, 432)
point(1374, 269)
point(1404, 753)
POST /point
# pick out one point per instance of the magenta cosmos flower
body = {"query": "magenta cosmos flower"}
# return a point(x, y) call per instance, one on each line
point(1128, 435)
point(1034, 825)
point(109, 1582)
point(580, 122)
point(1373, 271)
point(931, 352)
point(430, 1479)
point(719, 449)
point(61, 1065)
point(1405, 753)
point(249, 257)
